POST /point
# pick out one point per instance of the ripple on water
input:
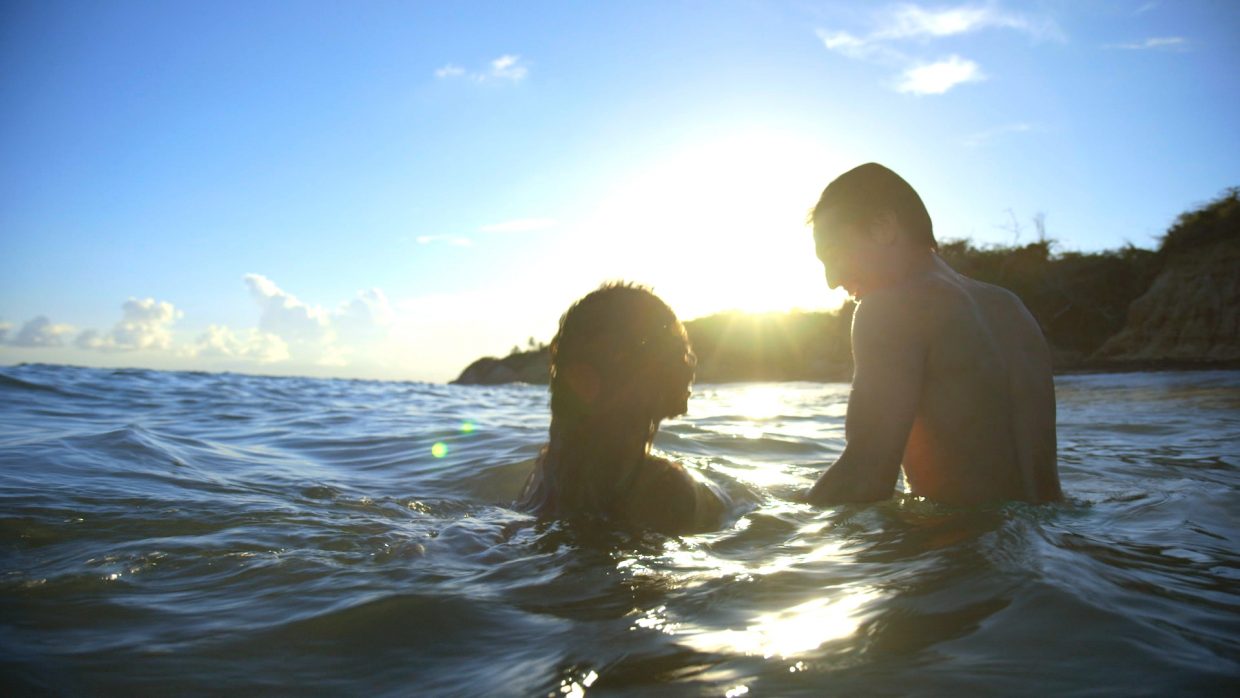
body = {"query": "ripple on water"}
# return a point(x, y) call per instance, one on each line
point(181, 532)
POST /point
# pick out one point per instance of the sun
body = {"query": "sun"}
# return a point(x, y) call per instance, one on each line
point(720, 225)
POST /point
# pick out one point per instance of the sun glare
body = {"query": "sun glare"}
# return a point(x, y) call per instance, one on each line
point(720, 226)
point(761, 401)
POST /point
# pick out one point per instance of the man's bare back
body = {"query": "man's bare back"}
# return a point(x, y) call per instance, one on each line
point(953, 378)
point(984, 427)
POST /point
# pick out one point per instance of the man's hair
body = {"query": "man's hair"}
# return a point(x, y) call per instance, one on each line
point(863, 193)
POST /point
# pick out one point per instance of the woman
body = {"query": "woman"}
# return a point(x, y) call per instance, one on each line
point(620, 364)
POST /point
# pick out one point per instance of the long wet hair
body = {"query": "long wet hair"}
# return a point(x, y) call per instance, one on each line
point(620, 364)
point(620, 350)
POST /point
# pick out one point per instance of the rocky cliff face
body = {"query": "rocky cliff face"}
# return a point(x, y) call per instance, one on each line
point(1190, 313)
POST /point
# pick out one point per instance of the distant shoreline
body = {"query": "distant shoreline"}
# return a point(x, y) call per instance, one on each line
point(1150, 366)
point(1176, 308)
point(529, 368)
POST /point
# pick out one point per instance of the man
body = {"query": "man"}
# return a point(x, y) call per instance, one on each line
point(952, 376)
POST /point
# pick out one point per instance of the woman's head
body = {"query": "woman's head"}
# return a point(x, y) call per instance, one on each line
point(620, 352)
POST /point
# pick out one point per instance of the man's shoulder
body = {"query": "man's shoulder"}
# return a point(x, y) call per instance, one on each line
point(1003, 309)
point(933, 294)
point(993, 292)
point(901, 309)
point(893, 301)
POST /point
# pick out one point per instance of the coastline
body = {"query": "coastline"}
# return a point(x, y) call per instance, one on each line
point(522, 368)
point(1115, 311)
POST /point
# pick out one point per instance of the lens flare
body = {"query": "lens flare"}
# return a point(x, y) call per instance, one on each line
point(439, 450)
point(467, 427)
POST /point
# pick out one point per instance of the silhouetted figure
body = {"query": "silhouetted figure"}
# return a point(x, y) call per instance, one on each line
point(952, 376)
point(620, 364)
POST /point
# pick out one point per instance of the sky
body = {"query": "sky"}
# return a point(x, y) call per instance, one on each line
point(391, 190)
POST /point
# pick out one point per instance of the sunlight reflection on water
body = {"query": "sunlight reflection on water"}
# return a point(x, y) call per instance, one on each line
point(313, 539)
point(753, 473)
point(790, 632)
point(757, 401)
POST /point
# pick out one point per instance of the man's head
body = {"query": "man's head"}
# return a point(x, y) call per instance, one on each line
point(620, 351)
point(866, 223)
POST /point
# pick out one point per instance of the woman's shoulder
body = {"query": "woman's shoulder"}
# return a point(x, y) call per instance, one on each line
point(669, 498)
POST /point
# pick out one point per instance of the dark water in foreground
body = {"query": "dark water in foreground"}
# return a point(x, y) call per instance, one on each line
point(171, 533)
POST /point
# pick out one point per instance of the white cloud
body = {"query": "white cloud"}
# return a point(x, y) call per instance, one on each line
point(984, 137)
point(911, 21)
point(507, 67)
point(364, 319)
point(145, 324)
point(39, 332)
point(370, 305)
point(858, 48)
point(910, 24)
point(521, 225)
point(939, 77)
point(222, 342)
point(355, 337)
point(314, 335)
point(282, 314)
point(1158, 43)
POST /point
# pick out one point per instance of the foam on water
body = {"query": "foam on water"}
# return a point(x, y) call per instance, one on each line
point(185, 532)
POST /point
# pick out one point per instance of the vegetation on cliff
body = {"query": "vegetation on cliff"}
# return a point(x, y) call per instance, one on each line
point(1178, 303)
point(1216, 222)
point(772, 346)
point(1079, 298)
point(531, 366)
point(1191, 312)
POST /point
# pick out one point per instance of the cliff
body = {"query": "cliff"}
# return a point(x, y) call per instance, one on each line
point(518, 367)
point(1191, 312)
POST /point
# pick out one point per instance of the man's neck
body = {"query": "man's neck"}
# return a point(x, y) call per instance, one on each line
point(907, 264)
point(918, 261)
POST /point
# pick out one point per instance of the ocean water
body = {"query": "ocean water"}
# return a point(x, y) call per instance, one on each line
point(187, 533)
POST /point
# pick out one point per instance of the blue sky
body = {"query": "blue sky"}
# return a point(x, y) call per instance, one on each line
point(390, 190)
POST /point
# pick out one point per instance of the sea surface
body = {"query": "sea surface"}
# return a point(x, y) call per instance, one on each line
point(191, 533)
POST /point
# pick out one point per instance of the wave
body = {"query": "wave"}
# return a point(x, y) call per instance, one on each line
point(278, 535)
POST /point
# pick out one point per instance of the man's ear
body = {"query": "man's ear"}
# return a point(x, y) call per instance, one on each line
point(885, 229)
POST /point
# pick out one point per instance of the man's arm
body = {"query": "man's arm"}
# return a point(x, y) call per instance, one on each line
point(889, 352)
